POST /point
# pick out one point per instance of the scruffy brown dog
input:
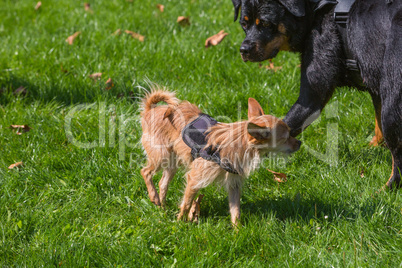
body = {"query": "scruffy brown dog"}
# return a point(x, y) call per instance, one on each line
point(241, 145)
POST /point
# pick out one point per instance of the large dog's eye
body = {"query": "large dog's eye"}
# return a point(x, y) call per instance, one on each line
point(266, 24)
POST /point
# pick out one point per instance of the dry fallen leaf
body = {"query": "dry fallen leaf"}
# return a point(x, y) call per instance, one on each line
point(87, 7)
point(18, 164)
point(279, 177)
point(160, 7)
point(135, 35)
point(38, 5)
point(194, 213)
point(109, 84)
point(117, 32)
point(362, 173)
point(70, 39)
point(183, 21)
point(215, 39)
point(62, 69)
point(20, 91)
point(95, 76)
point(21, 128)
point(271, 66)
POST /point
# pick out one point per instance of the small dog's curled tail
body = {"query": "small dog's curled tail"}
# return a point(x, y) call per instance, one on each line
point(155, 96)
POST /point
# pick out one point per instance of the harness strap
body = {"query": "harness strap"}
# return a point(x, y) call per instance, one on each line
point(341, 16)
point(194, 136)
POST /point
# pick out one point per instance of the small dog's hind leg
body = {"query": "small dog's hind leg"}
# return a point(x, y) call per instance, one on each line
point(189, 194)
point(167, 177)
point(147, 173)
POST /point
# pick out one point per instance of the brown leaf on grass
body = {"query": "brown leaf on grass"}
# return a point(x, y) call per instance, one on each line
point(271, 66)
point(21, 128)
point(183, 21)
point(215, 39)
point(109, 84)
point(87, 7)
point(362, 173)
point(278, 177)
point(20, 91)
point(16, 165)
point(135, 35)
point(95, 76)
point(62, 69)
point(71, 38)
point(117, 32)
point(194, 213)
point(160, 7)
point(38, 5)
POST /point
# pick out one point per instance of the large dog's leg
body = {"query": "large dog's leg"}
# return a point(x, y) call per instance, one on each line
point(391, 99)
point(312, 99)
point(321, 69)
point(392, 130)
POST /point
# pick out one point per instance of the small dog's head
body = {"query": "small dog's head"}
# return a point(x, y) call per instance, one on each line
point(269, 26)
point(268, 132)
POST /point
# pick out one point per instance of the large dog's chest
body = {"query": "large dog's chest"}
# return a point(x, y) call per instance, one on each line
point(194, 136)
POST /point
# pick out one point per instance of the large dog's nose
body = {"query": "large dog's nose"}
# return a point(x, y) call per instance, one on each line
point(245, 49)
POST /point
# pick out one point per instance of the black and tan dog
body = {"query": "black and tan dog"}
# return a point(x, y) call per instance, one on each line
point(366, 53)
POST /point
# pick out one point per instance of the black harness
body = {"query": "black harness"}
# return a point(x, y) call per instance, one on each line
point(341, 16)
point(195, 134)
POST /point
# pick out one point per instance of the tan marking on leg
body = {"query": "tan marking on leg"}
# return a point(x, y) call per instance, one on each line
point(281, 28)
point(389, 183)
point(378, 138)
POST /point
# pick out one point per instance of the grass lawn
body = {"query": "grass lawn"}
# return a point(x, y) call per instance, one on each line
point(71, 206)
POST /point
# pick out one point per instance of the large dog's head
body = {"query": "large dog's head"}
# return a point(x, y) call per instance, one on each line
point(270, 26)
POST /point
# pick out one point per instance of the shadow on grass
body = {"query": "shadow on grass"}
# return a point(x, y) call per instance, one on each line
point(295, 209)
point(72, 93)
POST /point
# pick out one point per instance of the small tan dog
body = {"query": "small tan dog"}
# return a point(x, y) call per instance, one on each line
point(241, 145)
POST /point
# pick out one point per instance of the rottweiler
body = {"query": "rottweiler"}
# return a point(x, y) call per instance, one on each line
point(366, 54)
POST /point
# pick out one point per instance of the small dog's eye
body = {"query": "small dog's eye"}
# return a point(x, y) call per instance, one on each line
point(243, 24)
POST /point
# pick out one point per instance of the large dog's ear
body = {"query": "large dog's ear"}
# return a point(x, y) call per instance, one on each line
point(236, 4)
point(254, 109)
point(296, 7)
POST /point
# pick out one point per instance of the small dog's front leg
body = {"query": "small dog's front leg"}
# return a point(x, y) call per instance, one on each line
point(234, 205)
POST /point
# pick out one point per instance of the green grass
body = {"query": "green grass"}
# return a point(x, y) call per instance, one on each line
point(74, 207)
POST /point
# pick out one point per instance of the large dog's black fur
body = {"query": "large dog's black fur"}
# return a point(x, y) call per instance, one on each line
point(374, 39)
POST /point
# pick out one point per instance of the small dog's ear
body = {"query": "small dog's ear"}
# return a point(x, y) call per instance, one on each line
point(296, 7)
point(236, 4)
point(254, 108)
point(259, 133)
